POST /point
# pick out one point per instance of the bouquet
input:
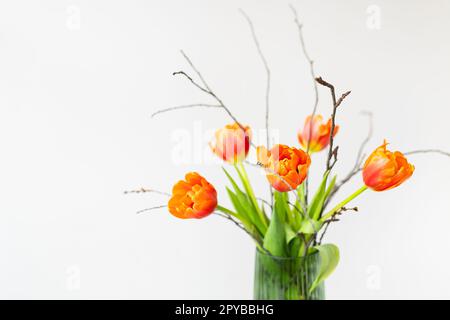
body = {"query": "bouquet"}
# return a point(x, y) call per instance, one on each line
point(288, 229)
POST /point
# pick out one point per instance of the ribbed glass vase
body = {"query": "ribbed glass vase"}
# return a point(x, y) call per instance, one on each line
point(278, 278)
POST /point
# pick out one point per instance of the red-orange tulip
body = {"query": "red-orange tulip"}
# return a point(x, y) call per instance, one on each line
point(320, 133)
point(384, 170)
point(193, 198)
point(232, 143)
point(286, 167)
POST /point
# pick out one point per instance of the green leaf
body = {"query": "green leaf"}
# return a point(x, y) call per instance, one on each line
point(263, 210)
point(245, 210)
point(301, 191)
point(310, 226)
point(238, 206)
point(292, 240)
point(284, 199)
point(240, 195)
point(244, 205)
point(315, 209)
point(275, 238)
point(329, 259)
point(290, 212)
point(300, 197)
point(294, 247)
point(233, 183)
point(240, 169)
point(298, 212)
point(290, 234)
point(241, 214)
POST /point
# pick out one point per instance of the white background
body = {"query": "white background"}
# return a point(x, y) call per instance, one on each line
point(80, 79)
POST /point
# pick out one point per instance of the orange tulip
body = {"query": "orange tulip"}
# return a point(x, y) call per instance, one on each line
point(286, 167)
point(193, 198)
point(232, 143)
point(384, 170)
point(320, 133)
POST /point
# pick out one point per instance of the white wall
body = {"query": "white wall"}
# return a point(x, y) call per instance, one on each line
point(75, 131)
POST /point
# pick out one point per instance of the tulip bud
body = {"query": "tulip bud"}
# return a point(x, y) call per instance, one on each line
point(232, 143)
point(192, 198)
point(286, 167)
point(316, 133)
point(384, 170)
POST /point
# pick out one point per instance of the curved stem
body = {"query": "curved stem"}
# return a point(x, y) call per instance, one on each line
point(227, 211)
point(343, 203)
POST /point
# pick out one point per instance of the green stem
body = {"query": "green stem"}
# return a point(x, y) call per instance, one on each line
point(343, 203)
point(244, 177)
point(227, 211)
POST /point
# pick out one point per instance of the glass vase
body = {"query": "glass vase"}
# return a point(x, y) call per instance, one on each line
point(278, 278)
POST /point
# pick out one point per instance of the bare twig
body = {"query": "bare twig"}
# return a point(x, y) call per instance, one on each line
point(438, 151)
point(307, 243)
point(334, 219)
point(256, 165)
point(336, 103)
point(144, 190)
point(205, 88)
point(334, 155)
point(240, 226)
point(311, 70)
point(358, 165)
point(228, 217)
point(189, 61)
point(327, 225)
point(210, 92)
point(266, 67)
point(359, 168)
point(265, 202)
point(152, 208)
point(343, 96)
point(330, 86)
point(359, 159)
point(295, 207)
point(187, 106)
point(316, 89)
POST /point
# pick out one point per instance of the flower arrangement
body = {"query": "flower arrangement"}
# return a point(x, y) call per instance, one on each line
point(292, 261)
point(291, 230)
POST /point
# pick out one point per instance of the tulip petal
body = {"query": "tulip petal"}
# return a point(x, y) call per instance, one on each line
point(384, 170)
point(192, 198)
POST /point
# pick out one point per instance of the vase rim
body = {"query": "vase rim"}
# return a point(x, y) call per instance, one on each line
point(285, 258)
